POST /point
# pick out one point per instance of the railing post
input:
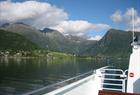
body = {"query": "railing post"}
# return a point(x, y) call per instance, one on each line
point(124, 76)
point(123, 85)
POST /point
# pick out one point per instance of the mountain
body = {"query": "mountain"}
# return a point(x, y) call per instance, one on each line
point(114, 43)
point(13, 41)
point(45, 30)
point(47, 38)
point(58, 42)
point(28, 32)
point(69, 43)
point(81, 42)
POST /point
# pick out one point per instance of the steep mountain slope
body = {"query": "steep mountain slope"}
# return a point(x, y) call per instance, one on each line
point(47, 38)
point(82, 43)
point(59, 42)
point(28, 32)
point(114, 43)
point(13, 41)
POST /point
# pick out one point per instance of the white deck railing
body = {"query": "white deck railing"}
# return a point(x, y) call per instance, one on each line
point(113, 79)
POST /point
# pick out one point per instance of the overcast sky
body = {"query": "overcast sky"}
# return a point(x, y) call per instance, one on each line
point(77, 17)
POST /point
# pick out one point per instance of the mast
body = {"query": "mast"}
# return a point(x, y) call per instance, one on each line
point(133, 34)
point(133, 82)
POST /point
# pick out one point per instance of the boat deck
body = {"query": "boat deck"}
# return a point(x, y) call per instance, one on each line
point(103, 92)
point(86, 86)
point(93, 84)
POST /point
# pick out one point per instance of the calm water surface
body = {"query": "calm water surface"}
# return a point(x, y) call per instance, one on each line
point(20, 75)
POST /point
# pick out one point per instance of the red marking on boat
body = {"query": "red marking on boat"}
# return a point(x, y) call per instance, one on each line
point(131, 74)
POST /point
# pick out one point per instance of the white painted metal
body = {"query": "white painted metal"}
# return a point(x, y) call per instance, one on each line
point(133, 84)
point(87, 86)
point(113, 89)
point(58, 85)
point(90, 85)
point(115, 75)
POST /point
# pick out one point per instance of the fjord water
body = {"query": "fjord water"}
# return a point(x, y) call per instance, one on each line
point(20, 75)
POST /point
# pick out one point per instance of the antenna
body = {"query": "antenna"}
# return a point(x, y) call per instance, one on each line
point(133, 25)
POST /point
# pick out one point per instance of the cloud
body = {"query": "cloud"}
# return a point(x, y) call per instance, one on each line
point(97, 37)
point(34, 13)
point(117, 17)
point(79, 27)
point(42, 15)
point(126, 18)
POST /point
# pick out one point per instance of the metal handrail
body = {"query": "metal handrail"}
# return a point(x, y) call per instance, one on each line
point(114, 77)
point(110, 79)
point(113, 70)
point(113, 89)
point(112, 84)
point(103, 74)
point(38, 91)
point(112, 74)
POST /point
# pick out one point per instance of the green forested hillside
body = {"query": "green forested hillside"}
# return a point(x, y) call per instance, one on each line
point(114, 43)
point(49, 38)
point(13, 41)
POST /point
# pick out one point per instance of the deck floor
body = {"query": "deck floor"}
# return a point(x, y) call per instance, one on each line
point(87, 86)
point(114, 93)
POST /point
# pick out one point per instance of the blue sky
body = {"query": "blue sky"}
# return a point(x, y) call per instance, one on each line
point(93, 11)
point(96, 11)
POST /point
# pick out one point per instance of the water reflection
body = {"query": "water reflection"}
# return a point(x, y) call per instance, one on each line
point(20, 75)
